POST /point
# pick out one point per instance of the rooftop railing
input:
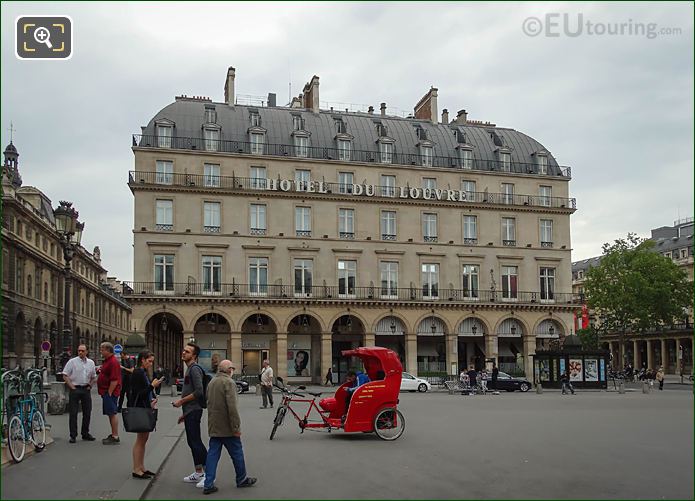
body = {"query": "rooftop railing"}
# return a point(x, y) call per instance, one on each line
point(261, 184)
point(367, 156)
point(335, 292)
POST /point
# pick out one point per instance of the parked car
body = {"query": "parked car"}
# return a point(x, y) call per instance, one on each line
point(505, 382)
point(412, 383)
point(241, 386)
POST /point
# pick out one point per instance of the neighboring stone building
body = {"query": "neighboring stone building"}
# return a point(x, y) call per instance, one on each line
point(270, 231)
point(646, 349)
point(33, 281)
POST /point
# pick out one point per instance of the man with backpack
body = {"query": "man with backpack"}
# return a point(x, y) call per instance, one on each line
point(193, 401)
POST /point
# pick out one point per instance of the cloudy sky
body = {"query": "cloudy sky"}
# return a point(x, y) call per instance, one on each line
point(616, 108)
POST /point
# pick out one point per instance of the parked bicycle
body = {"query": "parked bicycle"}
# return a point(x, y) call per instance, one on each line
point(26, 422)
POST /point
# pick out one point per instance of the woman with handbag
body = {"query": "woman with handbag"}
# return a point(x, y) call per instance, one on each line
point(141, 415)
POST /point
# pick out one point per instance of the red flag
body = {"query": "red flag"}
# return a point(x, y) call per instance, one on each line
point(585, 317)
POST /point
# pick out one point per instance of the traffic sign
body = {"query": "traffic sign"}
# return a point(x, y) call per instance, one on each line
point(45, 354)
point(118, 349)
point(46, 346)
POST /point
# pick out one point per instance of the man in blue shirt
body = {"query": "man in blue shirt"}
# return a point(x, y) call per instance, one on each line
point(355, 380)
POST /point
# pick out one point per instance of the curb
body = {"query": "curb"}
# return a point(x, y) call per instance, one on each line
point(135, 488)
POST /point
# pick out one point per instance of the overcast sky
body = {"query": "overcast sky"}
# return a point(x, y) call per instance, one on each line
point(618, 109)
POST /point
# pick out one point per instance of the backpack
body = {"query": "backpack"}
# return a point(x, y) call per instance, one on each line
point(203, 401)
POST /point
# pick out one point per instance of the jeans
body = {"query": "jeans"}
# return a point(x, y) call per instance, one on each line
point(267, 393)
point(80, 396)
point(565, 386)
point(236, 452)
point(191, 422)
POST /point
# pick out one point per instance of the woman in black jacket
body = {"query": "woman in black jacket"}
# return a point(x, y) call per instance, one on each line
point(142, 395)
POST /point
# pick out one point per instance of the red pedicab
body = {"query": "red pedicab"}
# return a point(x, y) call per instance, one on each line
point(372, 408)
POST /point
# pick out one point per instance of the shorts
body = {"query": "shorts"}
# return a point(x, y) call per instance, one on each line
point(109, 404)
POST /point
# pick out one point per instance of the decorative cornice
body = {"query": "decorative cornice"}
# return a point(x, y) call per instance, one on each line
point(219, 246)
point(389, 252)
point(257, 247)
point(164, 244)
point(347, 251)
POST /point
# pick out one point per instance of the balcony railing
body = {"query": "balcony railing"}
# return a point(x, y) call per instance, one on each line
point(259, 184)
point(320, 153)
point(272, 291)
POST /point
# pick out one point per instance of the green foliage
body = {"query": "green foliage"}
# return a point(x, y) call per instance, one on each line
point(589, 338)
point(634, 289)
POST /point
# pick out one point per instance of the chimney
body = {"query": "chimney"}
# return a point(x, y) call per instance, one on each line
point(229, 87)
point(383, 109)
point(272, 100)
point(311, 94)
point(461, 117)
point(445, 116)
point(371, 110)
point(426, 108)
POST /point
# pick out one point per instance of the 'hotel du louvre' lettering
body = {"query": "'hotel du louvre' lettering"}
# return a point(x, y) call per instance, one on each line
point(368, 190)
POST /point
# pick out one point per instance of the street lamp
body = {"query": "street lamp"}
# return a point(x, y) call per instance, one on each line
point(551, 331)
point(70, 234)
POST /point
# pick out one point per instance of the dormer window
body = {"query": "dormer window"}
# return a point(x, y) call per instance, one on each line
point(301, 146)
point(164, 131)
point(381, 130)
point(340, 127)
point(426, 155)
point(505, 159)
point(542, 161)
point(297, 122)
point(421, 133)
point(257, 140)
point(210, 114)
point(344, 149)
point(212, 138)
point(465, 158)
point(255, 119)
point(385, 152)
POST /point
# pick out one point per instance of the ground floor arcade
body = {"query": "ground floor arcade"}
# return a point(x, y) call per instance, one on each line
point(303, 342)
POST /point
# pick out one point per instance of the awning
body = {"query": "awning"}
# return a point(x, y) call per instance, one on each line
point(427, 350)
point(504, 351)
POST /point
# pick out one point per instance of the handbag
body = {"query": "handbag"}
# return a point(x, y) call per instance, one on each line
point(139, 419)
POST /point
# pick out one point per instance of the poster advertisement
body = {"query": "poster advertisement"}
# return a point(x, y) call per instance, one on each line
point(590, 369)
point(544, 369)
point(562, 367)
point(210, 359)
point(603, 370)
point(298, 362)
point(575, 369)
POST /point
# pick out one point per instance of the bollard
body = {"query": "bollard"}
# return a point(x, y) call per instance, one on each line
point(539, 388)
point(621, 388)
point(645, 387)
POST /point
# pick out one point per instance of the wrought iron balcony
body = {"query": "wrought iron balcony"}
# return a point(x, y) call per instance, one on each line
point(388, 236)
point(319, 153)
point(430, 238)
point(348, 235)
point(258, 231)
point(334, 292)
point(211, 229)
point(509, 243)
point(164, 227)
point(304, 233)
point(547, 244)
point(470, 241)
point(234, 183)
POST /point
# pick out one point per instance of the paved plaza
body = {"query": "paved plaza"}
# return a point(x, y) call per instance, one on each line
point(591, 445)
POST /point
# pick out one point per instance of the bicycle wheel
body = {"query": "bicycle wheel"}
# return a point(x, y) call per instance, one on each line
point(38, 431)
point(279, 417)
point(389, 424)
point(15, 439)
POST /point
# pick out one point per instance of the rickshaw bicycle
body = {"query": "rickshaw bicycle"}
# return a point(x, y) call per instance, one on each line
point(372, 407)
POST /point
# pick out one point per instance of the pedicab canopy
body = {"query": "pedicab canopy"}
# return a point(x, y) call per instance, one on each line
point(379, 362)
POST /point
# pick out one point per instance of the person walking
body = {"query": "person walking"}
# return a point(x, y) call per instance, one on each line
point(109, 386)
point(266, 380)
point(660, 377)
point(142, 395)
point(495, 376)
point(464, 381)
point(224, 428)
point(127, 368)
point(192, 393)
point(473, 378)
point(80, 375)
point(329, 377)
point(566, 384)
point(483, 380)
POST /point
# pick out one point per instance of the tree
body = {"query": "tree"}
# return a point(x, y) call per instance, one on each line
point(589, 338)
point(635, 289)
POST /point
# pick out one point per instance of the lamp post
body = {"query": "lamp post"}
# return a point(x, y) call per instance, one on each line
point(70, 234)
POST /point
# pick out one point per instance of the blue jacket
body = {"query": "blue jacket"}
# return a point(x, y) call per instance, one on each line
point(362, 378)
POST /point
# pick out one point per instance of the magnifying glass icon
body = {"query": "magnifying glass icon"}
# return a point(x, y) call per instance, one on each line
point(42, 35)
